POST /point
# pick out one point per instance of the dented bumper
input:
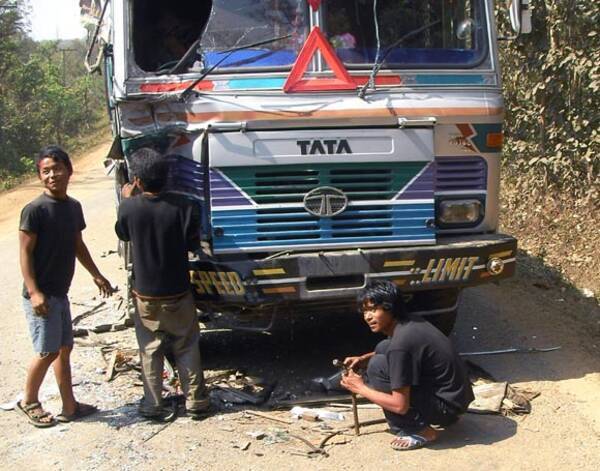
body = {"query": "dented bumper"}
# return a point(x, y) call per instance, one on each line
point(454, 262)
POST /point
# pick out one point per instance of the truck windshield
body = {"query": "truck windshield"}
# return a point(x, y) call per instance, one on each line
point(455, 36)
point(234, 23)
point(450, 33)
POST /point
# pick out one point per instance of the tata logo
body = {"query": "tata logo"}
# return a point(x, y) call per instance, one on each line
point(326, 146)
point(325, 201)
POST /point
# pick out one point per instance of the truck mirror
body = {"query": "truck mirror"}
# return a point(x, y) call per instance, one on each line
point(520, 16)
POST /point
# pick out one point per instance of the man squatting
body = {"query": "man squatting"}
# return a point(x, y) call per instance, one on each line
point(415, 374)
point(162, 228)
point(49, 241)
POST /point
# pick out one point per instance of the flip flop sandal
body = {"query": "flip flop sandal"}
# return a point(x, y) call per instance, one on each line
point(81, 410)
point(34, 418)
point(414, 442)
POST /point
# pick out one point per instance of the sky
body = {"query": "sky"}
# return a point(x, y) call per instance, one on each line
point(55, 19)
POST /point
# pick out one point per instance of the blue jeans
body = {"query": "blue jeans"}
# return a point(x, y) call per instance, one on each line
point(52, 331)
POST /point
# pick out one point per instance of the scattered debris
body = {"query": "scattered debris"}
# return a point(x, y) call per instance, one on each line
point(493, 397)
point(510, 350)
point(587, 293)
point(286, 404)
point(488, 398)
point(241, 389)
point(88, 313)
point(267, 416)
point(257, 435)
point(243, 445)
point(322, 414)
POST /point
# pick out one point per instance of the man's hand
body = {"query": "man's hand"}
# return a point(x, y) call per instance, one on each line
point(38, 303)
point(352, 382)
point(104, 286)
point(354, 363)
point(130, 189)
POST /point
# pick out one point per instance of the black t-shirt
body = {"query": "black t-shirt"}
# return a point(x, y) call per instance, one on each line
point(162, 229)
point(56, 223)
point(421, 357)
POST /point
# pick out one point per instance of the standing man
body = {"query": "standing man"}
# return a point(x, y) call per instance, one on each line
point(414, 375)
point(162, 228)
point(49, 241)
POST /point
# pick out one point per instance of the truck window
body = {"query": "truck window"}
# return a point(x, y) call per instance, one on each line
point(163, 31)
point(447, 32)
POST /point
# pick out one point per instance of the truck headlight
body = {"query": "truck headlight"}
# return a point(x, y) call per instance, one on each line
point(459, 212)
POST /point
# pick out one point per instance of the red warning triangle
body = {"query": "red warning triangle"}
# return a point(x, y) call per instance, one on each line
point(295, 83)
point(315, 4)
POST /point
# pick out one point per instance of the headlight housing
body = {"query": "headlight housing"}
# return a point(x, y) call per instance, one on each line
point(463, 212)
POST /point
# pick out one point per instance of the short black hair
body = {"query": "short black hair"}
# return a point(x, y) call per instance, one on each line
point(151, 167)
point(55, 153)
point(384, 294)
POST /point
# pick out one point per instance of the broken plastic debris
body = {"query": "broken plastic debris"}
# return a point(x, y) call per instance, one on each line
point(322, 414)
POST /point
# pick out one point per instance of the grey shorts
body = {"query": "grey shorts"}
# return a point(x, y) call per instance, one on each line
point(52, 331)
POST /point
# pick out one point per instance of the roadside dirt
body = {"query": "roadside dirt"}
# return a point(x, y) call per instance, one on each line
point(531, 310)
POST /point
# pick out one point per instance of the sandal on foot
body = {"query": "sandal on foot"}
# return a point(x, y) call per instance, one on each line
point(36, 414)
point(81, 410)
point(414, 442)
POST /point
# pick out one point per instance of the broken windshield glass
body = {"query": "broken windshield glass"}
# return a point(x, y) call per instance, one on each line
point(352, 31)
point(237, 22)
point(162, 31)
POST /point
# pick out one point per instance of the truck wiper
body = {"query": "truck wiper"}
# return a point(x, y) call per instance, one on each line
point(379, 63)
point(228, 52)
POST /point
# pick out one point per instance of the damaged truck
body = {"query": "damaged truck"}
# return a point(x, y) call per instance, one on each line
point(325, 143)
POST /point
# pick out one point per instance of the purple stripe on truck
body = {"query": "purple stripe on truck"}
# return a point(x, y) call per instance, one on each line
point(460, 173)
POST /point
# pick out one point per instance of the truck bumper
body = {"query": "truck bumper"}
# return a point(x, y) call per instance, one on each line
point(330, 276)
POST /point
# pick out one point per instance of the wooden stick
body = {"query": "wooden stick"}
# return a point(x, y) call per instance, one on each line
point(355, 413)
point(269, 417)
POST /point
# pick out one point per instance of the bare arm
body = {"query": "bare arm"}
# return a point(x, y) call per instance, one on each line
point(27, 243)
point(84, 257)
point(398, 401)
point(352, 363)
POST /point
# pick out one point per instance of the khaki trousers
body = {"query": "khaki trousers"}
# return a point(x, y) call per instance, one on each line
point(162, 325)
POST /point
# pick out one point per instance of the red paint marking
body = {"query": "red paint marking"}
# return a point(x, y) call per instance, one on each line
point(468, 132)
point(295, 83)
point(379, 80)
point(173, 87)
point(182, 141)
point(315, 4)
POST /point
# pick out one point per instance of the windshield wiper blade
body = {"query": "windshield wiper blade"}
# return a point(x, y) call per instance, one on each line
point(377, 66)
point(227, 53)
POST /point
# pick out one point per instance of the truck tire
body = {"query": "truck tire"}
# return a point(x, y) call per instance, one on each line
point(444, 322)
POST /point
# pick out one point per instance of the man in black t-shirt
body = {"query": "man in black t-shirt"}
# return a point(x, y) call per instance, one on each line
point(162, 228)
point(415, 375)
point(49, 241)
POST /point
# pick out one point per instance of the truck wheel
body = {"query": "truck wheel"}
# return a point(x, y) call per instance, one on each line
point(444, 322)
point(439, 307)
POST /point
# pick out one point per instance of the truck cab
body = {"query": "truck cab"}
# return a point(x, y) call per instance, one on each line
point(325, 143)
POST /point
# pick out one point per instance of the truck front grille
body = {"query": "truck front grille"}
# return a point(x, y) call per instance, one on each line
point(261, 208)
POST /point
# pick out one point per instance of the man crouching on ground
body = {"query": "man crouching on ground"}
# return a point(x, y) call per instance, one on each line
point(414, 375)
point(162, 228)
point(50, 240)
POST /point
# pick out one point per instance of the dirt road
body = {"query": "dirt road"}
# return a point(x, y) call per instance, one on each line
point(562, 432)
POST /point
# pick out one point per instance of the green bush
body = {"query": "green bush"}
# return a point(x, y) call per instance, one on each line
point(552, 79)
